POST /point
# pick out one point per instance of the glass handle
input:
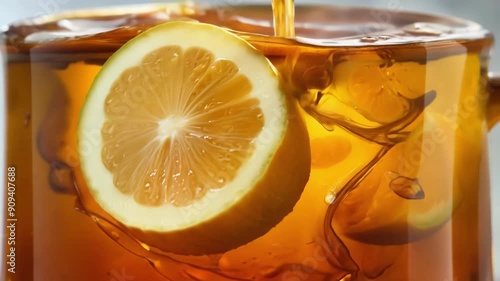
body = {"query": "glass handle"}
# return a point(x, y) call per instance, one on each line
point(493, 110)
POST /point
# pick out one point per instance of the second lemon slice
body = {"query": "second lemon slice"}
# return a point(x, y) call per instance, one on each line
point(200, 151)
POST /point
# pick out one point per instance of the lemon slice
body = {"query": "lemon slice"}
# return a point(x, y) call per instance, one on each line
point(199, 149)
point(371, 90)
point(414, 189)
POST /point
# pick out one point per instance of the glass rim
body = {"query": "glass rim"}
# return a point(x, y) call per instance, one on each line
point(346, 28)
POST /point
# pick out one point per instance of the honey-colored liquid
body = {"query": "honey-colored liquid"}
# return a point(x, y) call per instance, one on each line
point(399, 178)
point(284, 18)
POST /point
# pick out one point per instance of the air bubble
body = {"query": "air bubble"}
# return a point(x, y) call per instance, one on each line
point(114, 235)
point(405, 187)
point(384, 37)
point(330, 198)
point(369, 39)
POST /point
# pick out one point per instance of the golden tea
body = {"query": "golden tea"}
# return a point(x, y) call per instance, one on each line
point(397, 174)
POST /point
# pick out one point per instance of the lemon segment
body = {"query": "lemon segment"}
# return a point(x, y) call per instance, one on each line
point(199, 151)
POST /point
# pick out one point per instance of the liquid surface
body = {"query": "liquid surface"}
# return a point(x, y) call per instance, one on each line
point(396, 134)
point(317, 25)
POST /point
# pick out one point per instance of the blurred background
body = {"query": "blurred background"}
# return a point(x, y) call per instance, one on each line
point(484, 12)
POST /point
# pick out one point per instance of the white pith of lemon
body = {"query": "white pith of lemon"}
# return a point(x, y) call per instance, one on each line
point(263, 189)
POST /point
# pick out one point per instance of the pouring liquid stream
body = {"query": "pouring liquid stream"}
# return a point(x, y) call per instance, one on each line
point(283, 16)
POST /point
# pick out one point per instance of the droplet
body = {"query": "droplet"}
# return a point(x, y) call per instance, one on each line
point(145, 246)
point(114, 235)
point(405, 187)
point(384, 37)
point(369, 39)
point(330, 198)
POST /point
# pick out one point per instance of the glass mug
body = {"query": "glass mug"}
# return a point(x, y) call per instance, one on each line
point(397, 115)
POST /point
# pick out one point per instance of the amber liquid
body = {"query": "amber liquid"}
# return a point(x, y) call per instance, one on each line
point(398, 187)
point(284, 18)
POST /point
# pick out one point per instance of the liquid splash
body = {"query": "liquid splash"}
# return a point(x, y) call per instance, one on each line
point(387, 136)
